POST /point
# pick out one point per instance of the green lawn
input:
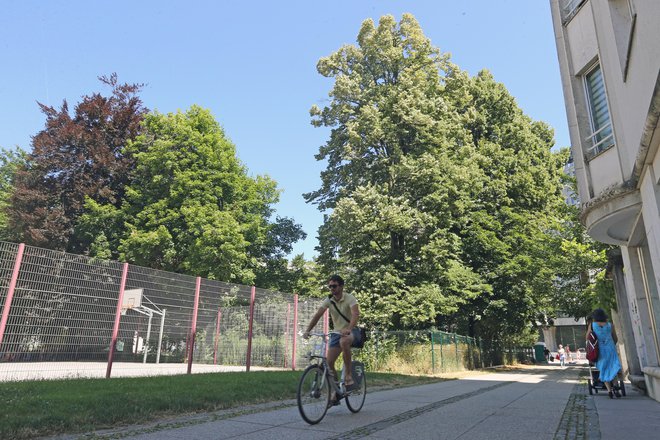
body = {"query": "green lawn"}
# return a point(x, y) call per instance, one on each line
point(39, 408)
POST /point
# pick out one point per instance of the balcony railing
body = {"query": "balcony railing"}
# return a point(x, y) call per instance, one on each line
point(600, 140)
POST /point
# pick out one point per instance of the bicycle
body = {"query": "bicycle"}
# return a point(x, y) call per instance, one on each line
point(316, 384)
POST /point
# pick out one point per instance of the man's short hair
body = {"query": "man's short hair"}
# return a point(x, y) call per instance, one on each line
point(336, 278)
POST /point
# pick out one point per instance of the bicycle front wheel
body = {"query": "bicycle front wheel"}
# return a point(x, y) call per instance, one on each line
point(313, 395)
point(355, 398)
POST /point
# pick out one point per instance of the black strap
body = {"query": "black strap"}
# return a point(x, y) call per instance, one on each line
point(340, 313)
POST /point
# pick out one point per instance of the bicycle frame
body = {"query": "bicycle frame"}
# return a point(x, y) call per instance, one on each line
point(322, 361)
point(313, 387)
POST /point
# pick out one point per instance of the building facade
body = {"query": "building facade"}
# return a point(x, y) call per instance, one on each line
point(609, 57)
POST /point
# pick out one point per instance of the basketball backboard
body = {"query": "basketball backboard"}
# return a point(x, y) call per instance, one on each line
point(132, 298)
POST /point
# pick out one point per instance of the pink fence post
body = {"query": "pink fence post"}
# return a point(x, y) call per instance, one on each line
point(326, 329)
point(295, 331)
point(115, 328)
point(217, 338)
point(12, 288)
point(249, 347)
point(193, 325)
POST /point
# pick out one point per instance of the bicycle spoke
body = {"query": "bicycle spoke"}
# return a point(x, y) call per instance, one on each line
point(313, 395)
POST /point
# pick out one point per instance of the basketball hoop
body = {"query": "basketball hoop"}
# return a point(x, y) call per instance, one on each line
point(132, 298)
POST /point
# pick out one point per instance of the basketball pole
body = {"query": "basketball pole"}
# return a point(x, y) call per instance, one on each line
point(115, 328)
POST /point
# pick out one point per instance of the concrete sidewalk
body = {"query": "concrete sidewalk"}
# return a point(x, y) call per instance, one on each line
point(632, 417)
point(543, 402)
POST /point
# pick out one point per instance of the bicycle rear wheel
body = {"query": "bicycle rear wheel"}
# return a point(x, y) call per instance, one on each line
point(355, 398)
point(313, 395)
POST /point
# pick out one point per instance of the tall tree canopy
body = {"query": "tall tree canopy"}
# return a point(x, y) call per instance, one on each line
point(444, 196)
point(11, 160)
point(75, 157)
point(191, 206)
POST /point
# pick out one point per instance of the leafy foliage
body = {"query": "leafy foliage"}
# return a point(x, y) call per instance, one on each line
point(75, 157)
point(445, 199)
point(11, 160)
point(190, 206)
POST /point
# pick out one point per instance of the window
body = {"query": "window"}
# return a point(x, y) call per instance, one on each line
point(623, 17)
point(601, 137)
point(569, 9)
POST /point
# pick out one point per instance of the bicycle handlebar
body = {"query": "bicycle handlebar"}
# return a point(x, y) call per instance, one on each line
point(321, 334)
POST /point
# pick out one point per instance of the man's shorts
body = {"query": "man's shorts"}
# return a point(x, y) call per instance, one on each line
point(334, 338)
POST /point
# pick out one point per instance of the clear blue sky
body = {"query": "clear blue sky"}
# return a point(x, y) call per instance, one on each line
point(253, 64)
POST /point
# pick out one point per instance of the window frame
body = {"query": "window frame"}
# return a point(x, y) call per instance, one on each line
point(569, 8)
point(594, 145)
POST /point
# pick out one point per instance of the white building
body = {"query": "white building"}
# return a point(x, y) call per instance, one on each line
point(609, 56)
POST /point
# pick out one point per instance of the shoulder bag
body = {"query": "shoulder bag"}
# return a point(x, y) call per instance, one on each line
point(363, 332)
point(592, 347)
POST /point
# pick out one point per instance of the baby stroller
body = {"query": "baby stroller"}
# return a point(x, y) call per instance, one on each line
point(595, 384)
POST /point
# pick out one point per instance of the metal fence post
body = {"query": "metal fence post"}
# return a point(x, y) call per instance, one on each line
point(456, 348)
point(217, 337)
point(432, 355)
point(160, 336)
point(12, 289)
point(287, 333)
point(115, 328)
point(251, 322)
point(468, 342)
point(295, 330)
point(193, 325)
point(376, 346)
point(146, 339)
point(442, 359)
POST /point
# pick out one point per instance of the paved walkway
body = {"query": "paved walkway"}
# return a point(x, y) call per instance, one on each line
point(546, 402)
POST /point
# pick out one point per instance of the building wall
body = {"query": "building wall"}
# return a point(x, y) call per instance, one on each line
point(618, 187)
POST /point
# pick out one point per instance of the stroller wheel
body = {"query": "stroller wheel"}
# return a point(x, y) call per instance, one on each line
point(622, 388)
point(591, 388)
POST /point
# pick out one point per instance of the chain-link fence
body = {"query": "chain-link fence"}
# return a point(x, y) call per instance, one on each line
point(66, 315)
point(420, 352)
point(435, 352)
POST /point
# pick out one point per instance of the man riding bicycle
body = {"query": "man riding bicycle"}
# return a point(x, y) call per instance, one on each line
point(345, 312)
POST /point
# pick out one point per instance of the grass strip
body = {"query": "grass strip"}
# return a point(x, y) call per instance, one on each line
point(39, 408)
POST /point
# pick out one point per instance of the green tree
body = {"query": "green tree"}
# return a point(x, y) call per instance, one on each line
point(581, 262)
point(295, 276)
point(443, 194)
point(276, 272)
point(191, 206)
point(11, 160)
point(510, 237)
point(75, 157)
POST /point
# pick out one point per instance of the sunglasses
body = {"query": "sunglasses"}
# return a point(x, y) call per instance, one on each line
point(333, 286)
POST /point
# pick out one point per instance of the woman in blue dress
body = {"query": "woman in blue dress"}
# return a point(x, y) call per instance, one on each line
point(608, 363)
